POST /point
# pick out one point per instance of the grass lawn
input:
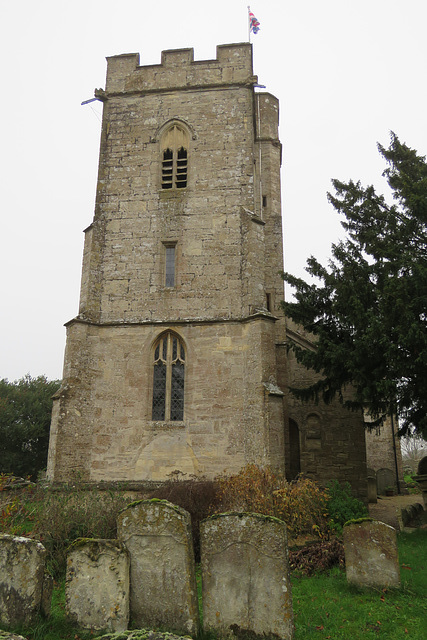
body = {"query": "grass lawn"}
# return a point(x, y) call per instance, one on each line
point(324, 605)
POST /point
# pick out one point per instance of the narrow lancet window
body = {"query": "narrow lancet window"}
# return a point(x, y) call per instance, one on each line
point(170, 266)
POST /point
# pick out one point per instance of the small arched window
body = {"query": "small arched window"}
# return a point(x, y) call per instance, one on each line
point(174, 145)
point(168, 378)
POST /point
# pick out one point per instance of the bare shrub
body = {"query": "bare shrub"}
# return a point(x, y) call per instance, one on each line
point(318, 557)
point(76, 511)
point(301, 504)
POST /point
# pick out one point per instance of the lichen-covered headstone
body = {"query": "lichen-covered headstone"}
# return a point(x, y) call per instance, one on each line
point(157, 535)
point(97, 585)
point(371, 558)
point(245, 574)
point(22, 563)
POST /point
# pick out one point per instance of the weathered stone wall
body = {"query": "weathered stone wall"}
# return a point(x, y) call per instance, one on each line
point(216, 273)
point(227, 419)
point(331, 439)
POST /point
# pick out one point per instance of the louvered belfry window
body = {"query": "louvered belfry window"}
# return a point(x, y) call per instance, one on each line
point(174, 158)
point(168, 378)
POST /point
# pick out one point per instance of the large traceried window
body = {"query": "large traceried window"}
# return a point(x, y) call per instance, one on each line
point(174, 158)
point(168, 378)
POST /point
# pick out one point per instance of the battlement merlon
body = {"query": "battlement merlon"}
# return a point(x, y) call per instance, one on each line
point(178, 70)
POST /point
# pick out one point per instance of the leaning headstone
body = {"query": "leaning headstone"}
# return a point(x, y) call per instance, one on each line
point(97, 585)
point(385, 480)
point(372, 490)
point(371, 558)
point(158, 537)
point(245, 575)
point(22, 563)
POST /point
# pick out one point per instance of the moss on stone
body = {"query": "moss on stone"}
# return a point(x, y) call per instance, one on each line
point(358, 521)
point(141, 634)
point(175, 507)
point(241, 514)
point(94, 542)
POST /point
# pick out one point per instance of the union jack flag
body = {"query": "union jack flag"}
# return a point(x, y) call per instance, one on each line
point(253, 23)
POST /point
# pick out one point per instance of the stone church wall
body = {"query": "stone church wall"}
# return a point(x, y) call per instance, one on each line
point(329, 438)
point(231, 418)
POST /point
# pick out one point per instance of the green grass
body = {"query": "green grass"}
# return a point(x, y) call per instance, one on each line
point(56, 627)
point(325, 606)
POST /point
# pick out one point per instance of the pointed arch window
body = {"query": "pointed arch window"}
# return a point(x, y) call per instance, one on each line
point(168, 378)
point(174, 145)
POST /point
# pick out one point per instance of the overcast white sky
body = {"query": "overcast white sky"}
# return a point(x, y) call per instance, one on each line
point(345, 74)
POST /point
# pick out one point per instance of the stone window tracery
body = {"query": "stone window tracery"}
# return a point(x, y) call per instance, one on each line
point(168, 378)
point(174, 149)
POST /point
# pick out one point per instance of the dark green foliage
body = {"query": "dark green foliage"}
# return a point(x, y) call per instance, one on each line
point(369, 312)
point(342, 505)
point(25, 410)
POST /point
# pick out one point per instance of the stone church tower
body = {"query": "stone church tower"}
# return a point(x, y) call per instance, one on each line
point(172, 361)
point(177, 359)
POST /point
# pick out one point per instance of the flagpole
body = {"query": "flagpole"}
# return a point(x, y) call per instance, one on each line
point(249, 25)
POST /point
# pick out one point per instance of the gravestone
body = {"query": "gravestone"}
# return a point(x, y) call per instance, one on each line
point(158, 537)
point(372, 490)
point(97, 585)
point(371, 558)
point(22, 563)
point(385, 479)
point(245, 575)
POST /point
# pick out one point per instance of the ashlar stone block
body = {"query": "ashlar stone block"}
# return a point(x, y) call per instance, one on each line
point(22, 563)
point(157, 535)
point(97, 585)
point(371, 558)
point(245, 573)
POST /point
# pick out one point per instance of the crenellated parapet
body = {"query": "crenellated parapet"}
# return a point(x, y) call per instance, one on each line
point(179, 71)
